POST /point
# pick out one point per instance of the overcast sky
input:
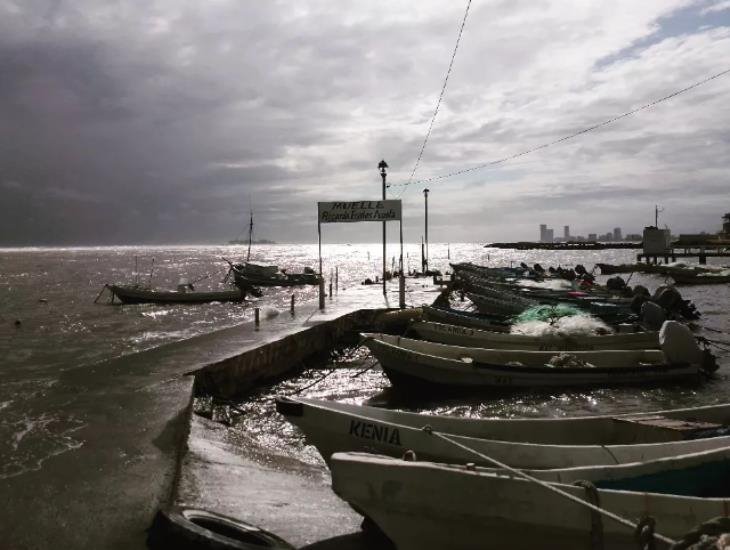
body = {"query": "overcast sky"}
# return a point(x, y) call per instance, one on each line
point(160, 121)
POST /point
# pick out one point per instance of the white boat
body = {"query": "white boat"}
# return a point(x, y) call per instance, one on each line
point(413, 363)
point(500, 306)
point(464, 318)
point(424, 506)
point(472, 337)
point(524, 443)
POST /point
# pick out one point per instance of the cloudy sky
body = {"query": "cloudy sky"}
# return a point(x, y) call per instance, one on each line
point(160, 121)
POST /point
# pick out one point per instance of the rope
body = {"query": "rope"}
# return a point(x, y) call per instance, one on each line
point(441, 95)
point(568, 137)
point(596, 521)
point(615, 517)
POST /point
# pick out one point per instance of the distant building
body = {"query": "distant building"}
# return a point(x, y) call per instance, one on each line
point(592, 237)
point(566, 232)
point(726, 224)
point(635, 237)
point(657, 241)
point(617, 234)
point(546, 234)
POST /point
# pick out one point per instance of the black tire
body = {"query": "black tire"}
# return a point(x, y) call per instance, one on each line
point(180, 528)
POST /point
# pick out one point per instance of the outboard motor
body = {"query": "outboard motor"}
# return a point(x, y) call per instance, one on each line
point(538, 268)
point(615, 283)
point(680, 346)
point(640, 290)
point(524, 266)
point(580, 269)
point(652, 315)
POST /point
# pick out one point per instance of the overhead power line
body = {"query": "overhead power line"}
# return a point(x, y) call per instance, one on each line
point(565, 138)
point(443, 91)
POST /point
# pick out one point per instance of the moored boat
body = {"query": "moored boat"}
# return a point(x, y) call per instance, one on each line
point(472, 337)
point(465, 318)
point(695, 278)
point(134, 294)
point(523, 442)
point(416, 363)
point(423, 506)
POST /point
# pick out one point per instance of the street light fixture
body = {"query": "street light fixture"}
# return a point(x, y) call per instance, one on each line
point(383, 166)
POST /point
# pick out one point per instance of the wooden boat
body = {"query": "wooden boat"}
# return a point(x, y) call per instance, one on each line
point(246, 278)
point(424, 506)
point(465, 318)
point(471, 337)
point(415, 363)
point(608, 269)
point(493, 305)
point(695, 278)
point(523, 442)
point(138, 295)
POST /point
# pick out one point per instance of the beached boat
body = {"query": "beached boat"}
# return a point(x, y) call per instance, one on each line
point(423, 506)
point(133, 294)
point(472, 337)
point(522, 442)
point(416, 363)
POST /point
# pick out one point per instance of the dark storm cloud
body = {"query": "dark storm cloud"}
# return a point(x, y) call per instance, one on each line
point(155, 121)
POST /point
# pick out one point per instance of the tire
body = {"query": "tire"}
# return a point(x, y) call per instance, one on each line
point(179, 528)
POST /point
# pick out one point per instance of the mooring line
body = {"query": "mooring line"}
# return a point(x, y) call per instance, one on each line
point(528, 477)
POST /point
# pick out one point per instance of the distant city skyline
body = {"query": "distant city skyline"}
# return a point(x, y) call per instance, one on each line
point(547, 235)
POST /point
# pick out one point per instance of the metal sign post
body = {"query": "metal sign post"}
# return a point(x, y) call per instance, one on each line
point(361, 211)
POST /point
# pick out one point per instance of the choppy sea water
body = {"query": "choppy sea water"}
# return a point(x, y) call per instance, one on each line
point(51, 293)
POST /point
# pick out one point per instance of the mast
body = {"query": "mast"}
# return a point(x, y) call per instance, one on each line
point(250, 237)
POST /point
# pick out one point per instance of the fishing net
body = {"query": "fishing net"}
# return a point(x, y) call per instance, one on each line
point(546, 313)
point(557, 320)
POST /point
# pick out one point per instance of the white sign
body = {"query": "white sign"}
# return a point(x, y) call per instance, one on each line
point(359, 211)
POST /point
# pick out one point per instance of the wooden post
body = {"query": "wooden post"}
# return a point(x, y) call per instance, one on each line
point(292, 304)
point(401, 275)
point(256, 317)
point(337, 279)
point(321, 292)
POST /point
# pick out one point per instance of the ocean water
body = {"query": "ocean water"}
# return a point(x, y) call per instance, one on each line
point(49, 323)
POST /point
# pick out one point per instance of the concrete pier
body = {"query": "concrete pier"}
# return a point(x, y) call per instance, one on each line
point(134, 415)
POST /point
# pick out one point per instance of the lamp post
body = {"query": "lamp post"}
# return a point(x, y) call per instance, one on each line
point(425, 198)
point(382, 166)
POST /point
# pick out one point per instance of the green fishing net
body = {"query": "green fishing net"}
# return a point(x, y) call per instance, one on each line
point(547, 313)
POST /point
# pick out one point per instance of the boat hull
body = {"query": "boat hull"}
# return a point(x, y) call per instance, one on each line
point(475, 368)
point(129, 295)
point(431, 506)
point(535, 443)
point(465, 336)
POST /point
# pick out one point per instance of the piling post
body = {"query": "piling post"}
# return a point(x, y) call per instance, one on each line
point(330, 295)
point(401, 290)
point(321, 293)
point(257, 317)
point(292, 304)
point(337, 279)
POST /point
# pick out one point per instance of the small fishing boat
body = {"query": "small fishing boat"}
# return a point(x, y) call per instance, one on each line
point(245, 276)
point(134, 294)
point(249, 274)
point(608, 269)
point(416, 363)
point(424, 506)
point(520, 442)
point(465, 318)
point(691, 277)
point(502, 306)
point(472, 337)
